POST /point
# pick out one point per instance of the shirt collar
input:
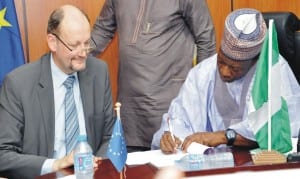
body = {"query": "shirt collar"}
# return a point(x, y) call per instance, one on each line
point(58, 76)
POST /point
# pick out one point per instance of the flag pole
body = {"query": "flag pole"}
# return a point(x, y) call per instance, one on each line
point(195, 56)
point(271, 23)
point(117, 108)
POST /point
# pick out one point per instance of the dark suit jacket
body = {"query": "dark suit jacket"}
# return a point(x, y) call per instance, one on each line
point(27, 115)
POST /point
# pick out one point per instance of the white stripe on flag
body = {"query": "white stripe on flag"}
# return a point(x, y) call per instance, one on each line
point(276, 91)
point(258, 118)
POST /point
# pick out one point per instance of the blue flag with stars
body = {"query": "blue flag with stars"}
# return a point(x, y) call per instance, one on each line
point(11, 53)
point(117, 152)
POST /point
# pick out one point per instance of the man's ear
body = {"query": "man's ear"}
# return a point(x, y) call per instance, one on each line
point(52, 42)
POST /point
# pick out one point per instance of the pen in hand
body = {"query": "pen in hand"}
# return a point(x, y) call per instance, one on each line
point(171, 129)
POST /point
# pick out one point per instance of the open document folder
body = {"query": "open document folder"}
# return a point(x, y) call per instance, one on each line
point(192, 160)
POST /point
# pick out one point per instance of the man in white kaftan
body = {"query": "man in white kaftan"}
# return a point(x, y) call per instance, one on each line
point(194, 109)
point(211, 107)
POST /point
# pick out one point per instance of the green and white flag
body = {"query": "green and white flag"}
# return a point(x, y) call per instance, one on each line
point(267, 106)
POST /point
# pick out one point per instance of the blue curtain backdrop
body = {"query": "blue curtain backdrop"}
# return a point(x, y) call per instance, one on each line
point(11, 50)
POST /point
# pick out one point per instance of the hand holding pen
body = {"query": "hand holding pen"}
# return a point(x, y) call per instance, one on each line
point(169, 142)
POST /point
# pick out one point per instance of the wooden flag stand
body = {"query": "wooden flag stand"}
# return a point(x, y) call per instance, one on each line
point(266, 157)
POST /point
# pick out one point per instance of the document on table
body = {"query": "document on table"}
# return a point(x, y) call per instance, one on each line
point(156, 157)
point(159, 159)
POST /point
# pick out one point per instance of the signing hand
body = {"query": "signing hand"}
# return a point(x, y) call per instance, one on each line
point(167, 144)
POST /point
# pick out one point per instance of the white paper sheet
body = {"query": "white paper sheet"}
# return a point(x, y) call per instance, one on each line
point(156, 157)
point(159, 159)
point(196, 148)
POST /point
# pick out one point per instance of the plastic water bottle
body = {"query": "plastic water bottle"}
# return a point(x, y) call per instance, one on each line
point(192, 162)
point(83, 159)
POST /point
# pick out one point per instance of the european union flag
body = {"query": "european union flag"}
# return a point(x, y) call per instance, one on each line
point(117, 152)
point(11, 53)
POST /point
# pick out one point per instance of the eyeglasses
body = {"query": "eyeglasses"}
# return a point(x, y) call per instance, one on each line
point(87, 48)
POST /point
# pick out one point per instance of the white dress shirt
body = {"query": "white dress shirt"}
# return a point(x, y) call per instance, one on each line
point(58, 78)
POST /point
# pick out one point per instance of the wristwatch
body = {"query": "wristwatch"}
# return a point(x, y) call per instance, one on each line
point(230, 135)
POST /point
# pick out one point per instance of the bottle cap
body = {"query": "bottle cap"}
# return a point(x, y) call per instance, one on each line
point(82, 138)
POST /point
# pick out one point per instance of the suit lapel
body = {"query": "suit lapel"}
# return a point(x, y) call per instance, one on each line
point(46, 98)
point(86, 92)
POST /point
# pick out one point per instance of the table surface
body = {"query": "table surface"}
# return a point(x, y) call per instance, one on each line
point(242, 162)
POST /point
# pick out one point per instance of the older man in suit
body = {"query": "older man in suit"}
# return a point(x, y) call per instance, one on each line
point(32, 108)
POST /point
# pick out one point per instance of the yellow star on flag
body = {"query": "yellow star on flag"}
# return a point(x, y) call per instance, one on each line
point(3, 22)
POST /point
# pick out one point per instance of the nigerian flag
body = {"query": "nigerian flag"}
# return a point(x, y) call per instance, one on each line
point(277, 135)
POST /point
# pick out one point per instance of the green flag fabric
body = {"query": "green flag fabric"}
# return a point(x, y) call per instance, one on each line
point(259, 102)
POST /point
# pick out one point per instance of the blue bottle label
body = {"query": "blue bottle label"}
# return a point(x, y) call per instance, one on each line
point(83, 162)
